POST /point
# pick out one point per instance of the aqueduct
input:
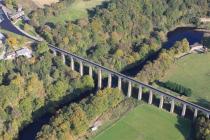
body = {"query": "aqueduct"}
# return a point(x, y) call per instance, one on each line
point(130, 82)
point(121, 77)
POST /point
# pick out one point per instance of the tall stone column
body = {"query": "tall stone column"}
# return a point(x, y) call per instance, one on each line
point(207, 115)
point(184, 110)
point(195, 113)
point(72, 63)
point(54, 52)
point(161, 101)
point(140, 93)
point(90, 71)
point(99, 79)
point(129, 89)
point(172, 106)
point(64, 58)
point(150, 96)
point(109, 80)
point(119, 83)
point(81, 68)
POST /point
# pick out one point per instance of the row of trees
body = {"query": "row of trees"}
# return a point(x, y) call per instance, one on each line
point(122, 32)
point(74, 120)
point(180, 89)
point(153, 71)
point(32, 87)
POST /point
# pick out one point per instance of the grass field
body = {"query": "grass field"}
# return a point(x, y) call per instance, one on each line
point(147, 122)
point(77, 10)
point(193, 71)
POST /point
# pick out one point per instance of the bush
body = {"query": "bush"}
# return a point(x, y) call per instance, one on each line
point(202, 128)
point(177, 88)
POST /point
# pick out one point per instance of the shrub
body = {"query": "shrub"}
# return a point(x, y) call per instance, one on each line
point(202, 128)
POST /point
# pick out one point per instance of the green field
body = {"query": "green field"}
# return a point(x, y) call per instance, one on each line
point(193, 71)
point(147, 122)
point(77, 10)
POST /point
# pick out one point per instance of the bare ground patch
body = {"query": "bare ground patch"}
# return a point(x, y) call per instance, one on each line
point(41, 3)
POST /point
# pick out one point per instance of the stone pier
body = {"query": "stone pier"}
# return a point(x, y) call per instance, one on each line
point(54, 53)
point(64, 58)
point(90, 71)
point(172, 106)
point(81, 68)
point(109, 80)
point(195, 113)
point(153, 91)
point(140, 93)
point(119, 83)
point(72, 63)
point(184, 110)
point(161, 101)
point(129, 89)
point(150, 96)
point(207, 115)
point(99, 79)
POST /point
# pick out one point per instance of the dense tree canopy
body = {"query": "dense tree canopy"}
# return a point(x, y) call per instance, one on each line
point(29, 86)
point(119, 33)
point(156, 69)
point(123, 31)
point(73, 120)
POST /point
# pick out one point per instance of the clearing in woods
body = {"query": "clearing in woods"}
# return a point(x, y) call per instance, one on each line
point(77, 10)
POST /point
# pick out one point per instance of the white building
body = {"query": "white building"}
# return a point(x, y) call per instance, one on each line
point(196, 47)
point(17, 15)
point(21, 52)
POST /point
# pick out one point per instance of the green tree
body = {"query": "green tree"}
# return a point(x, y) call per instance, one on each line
point(42, 48)
point(78, 120)
point(57, 90)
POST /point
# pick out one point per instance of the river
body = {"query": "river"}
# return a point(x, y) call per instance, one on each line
point(190, 33)
point(29, 132)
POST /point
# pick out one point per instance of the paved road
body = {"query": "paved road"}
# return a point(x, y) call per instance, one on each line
point(9, 26)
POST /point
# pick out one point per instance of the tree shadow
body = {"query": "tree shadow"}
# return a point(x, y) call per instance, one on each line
point(203, 102)
point(134, 68)
point(91, 12)
point(185, 127)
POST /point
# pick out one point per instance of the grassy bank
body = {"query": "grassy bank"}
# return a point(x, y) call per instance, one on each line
point(193, 71)
point(147, 123)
